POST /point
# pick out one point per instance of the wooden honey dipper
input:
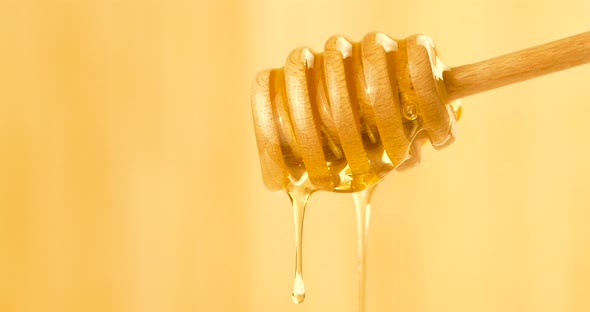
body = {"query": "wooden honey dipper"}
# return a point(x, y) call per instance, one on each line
point(341, 120)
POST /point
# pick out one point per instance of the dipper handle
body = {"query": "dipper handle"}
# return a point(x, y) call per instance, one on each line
point(517, 66)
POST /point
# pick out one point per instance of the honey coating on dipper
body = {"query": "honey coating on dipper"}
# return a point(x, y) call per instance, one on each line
point(346, 117)
point(341, 120)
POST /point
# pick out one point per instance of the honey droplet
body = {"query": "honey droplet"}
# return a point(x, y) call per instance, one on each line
point(410, 111)
point(299, 194)
point(298, 294)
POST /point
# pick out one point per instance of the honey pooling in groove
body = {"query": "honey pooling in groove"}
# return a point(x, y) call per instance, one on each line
point(340, 120)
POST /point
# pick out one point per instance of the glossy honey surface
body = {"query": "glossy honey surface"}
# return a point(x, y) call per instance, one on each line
point(346, 117)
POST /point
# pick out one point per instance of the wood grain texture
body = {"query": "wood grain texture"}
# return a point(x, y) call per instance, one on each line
point(356, 111)
point(518, 66)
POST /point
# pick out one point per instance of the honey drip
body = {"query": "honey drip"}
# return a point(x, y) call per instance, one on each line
point(362, 201)
point(299, 194)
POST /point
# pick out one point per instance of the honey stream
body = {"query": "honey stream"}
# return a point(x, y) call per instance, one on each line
point(362, 202)
point(299, 195)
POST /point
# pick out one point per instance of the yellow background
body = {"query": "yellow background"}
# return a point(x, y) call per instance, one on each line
point(129, 177)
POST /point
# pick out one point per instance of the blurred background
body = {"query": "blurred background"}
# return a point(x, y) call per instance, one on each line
point(129, 176)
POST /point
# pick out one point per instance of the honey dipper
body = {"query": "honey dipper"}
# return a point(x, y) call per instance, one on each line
point(342, 119)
